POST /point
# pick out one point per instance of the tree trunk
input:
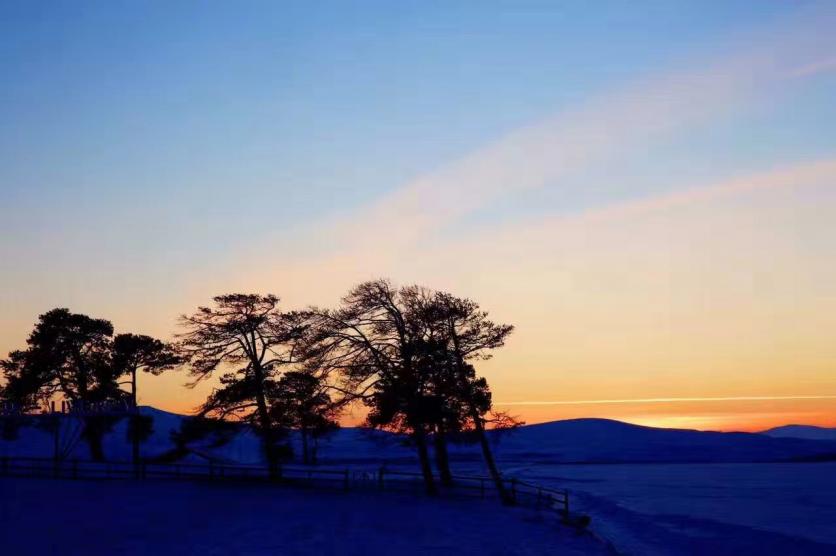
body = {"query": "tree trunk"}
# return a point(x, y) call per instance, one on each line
point(134, 417)
point(479, 424)
point(305, 454)
point(135, 440)
point(93, 434)
point(442, 458)
point(423, 455)
point(267, 434)
point(504, 496)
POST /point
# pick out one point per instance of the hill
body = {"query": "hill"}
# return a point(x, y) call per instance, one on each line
point(569, 441)
point(808, 432)
point(608, 441)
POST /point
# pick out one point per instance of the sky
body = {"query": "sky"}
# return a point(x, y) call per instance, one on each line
point(646, 190)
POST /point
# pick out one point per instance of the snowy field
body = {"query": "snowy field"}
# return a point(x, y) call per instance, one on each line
point(665, 508)
point(716, 509)
point(86, 518)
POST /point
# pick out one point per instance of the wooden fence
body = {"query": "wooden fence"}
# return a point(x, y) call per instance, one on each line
point(380, 479)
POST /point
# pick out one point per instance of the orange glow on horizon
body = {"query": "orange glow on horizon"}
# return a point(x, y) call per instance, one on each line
point(726, 415)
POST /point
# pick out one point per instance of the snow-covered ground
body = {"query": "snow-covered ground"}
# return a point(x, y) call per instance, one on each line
point(84, 518)
point(724, 505)
point(802, 431)
point(570, 441)
point(716, 509)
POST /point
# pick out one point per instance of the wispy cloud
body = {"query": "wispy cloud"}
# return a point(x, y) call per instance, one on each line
point(544, 153)
point(797, 175)
point(815, 68)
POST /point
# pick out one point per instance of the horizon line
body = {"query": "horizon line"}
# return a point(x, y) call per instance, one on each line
point(667, 400)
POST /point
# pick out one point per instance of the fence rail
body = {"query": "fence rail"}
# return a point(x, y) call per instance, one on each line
point(382, 479)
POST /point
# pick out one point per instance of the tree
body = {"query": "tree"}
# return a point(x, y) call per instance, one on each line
point(302, 402)
point(247, 336)
point(371, 341)
point(136, 352)
point(23, 391)
point(470, 336)
point(67, 354)
point(132, 353)
point(77, 357)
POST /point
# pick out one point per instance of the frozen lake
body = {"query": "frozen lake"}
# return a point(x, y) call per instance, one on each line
point(769, 508)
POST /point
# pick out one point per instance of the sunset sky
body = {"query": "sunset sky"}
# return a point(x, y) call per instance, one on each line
point(646, 190)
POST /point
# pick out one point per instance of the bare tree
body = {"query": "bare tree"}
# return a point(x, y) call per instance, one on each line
point(471, 336)
point(248, 337)
point(371, 342)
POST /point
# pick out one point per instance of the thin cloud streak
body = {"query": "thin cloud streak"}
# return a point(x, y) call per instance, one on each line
point(815, 68)
point(819, 172)
point(542, 154)
point(667, 400)
point(545, 153)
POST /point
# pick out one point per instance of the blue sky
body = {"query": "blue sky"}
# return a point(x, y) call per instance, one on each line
point(153, 154)
point(111, 107)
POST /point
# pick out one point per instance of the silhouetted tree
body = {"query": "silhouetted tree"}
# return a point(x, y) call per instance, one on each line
point(132, 353)
point(371, 341)
point(23, 390)
point(247, 336)
point(470, 336)
point(302, 402)
point(212, 433)
point(67, 353)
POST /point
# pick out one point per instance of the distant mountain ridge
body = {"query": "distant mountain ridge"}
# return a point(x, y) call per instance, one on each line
point(570, 441)
point(808, 432)
point(609, 441)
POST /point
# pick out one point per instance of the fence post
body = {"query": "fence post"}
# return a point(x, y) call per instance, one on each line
point(514, 489)
point(482, 487)
point(5, 468)
point(346, 480)
point(566, 502)
point(75, 469)
point(539, 496)
point(380, 472)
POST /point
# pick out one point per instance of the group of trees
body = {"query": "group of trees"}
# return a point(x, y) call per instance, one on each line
point(80, 359)
point(407, 353)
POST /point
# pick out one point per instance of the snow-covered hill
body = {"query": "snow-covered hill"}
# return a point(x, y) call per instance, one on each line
point(802, 431)
point(604, 440)
point(570, 441)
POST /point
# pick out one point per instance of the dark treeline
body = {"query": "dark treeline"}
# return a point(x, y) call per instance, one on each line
point(407, 353)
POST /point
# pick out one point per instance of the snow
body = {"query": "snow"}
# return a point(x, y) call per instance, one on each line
point(802, 431)
point(604, 440)
point(84, 518)
point(721, 502)
point(570, 441)
point(718, 509)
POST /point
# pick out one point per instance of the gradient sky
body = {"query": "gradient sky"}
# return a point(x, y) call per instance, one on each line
point(647, 190)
